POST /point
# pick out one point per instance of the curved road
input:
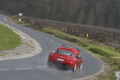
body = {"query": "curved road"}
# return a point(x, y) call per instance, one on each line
point(35, 68)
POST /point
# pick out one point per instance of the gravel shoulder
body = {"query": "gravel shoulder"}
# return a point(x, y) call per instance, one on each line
point(29, 47)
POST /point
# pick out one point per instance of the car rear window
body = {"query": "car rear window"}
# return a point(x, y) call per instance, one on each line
point(64, 52)
point(67, 46)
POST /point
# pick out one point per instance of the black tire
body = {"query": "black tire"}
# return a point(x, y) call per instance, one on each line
point(75, 68)
point(81, 66)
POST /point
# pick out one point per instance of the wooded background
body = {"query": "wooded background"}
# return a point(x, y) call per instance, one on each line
point(105, 13)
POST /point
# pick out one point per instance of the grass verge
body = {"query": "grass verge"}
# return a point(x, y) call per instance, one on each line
point(106, 53)
point(8, 39)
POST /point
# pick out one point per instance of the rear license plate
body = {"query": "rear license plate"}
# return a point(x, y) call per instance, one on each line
point(60, 59)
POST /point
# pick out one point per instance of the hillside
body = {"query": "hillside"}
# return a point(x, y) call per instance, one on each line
point(104, 13)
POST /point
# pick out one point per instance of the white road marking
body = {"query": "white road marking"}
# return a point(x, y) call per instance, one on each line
point(24, 68)
point(54, 41)
point(32, 32)
point(48, 38)
point(41, 67)
point(31, 68)
point(4, 69)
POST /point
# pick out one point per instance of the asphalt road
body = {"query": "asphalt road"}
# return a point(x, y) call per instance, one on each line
point(35, 68)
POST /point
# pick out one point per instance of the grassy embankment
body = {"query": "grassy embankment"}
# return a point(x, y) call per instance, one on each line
point(8, 39)
point(106, 53)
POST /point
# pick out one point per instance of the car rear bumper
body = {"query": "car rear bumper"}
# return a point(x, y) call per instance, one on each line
point(66, 62)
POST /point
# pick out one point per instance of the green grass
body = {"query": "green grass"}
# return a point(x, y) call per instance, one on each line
point(100, 52)
point(8, 39)
point(106, 53)
point(67, 37)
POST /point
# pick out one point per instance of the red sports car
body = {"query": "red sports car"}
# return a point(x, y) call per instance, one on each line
point(67, 57)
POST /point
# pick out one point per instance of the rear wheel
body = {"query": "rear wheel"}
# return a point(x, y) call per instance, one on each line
point(81, 65)
point(75, 68)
